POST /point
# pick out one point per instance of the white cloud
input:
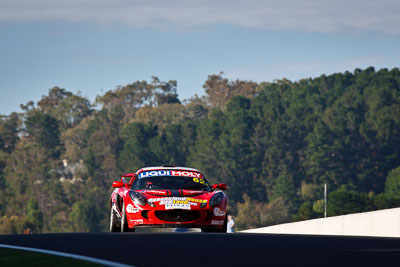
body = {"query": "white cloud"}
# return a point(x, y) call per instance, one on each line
point(307, 15)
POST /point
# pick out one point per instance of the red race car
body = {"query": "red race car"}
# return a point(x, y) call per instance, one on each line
point(167, 197)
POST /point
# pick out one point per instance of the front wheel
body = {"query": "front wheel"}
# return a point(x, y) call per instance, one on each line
point(124, 221)
point(225, 228)
point(115, 224)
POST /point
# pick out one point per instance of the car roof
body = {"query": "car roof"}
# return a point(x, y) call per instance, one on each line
point(167, 168)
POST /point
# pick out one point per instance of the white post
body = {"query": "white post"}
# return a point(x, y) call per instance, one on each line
point(324, 200)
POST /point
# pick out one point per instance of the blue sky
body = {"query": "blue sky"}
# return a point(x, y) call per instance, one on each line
point(92, 46)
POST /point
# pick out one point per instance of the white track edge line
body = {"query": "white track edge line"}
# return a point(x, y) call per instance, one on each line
point(68, 255)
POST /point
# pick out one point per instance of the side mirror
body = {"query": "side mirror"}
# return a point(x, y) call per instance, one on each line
point(220, 186)
point(223, 186)
point(117, 184)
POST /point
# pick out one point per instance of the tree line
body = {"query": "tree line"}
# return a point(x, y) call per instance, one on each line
point(275, 143)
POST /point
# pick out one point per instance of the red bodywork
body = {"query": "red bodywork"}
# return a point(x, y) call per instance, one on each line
point(170, 208)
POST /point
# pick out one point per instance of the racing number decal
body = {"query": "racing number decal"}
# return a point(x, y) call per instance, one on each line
point(197, 180)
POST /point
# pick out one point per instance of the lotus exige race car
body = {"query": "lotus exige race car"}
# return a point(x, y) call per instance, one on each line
point(168, 197)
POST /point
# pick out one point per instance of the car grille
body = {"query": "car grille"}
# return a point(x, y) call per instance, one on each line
point(177, 215)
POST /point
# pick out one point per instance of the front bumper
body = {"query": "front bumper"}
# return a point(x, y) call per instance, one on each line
point(176, 218)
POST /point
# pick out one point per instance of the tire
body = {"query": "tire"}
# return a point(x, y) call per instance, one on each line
point(115, 224)
point(225, 227)
point(124, 221)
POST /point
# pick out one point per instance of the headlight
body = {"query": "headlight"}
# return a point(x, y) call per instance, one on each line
point(137, 198)
point(216, 199)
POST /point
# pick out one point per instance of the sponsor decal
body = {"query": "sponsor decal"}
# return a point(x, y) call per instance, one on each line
point(168, 201)
point(170, 173)
point(164, 199)
point(131, 209)
point(195, 200)
point(218, 212)
point(177, 206)
point(180, 202)
point(177, 200)
point(197, 180)
point(217, 222)
point(153, 199)
point(137, 221)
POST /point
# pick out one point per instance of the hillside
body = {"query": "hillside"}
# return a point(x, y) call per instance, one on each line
point(275, 144)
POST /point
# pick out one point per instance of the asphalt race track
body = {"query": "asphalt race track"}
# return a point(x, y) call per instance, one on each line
point(204, 249)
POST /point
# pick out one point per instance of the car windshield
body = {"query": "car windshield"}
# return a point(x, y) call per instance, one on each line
point(171, 182)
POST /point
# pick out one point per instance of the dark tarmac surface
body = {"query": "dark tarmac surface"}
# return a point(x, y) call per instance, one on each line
point(204, 249)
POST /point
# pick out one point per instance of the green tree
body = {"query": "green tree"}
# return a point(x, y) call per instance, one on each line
point(253, 214)
point(34, 216)
point(87, 215)
point(219, 90)
point(205, 154)
point(79, 217)
point(392, 185)
point(9, 132)
point(318, 206)
point(284, 188)
point(382, 201)
point(67, 108)
point(136, 152)
point(44, 130)
point(103, 145)
point(306, 211)
point(138, 94)
point(346, 201)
